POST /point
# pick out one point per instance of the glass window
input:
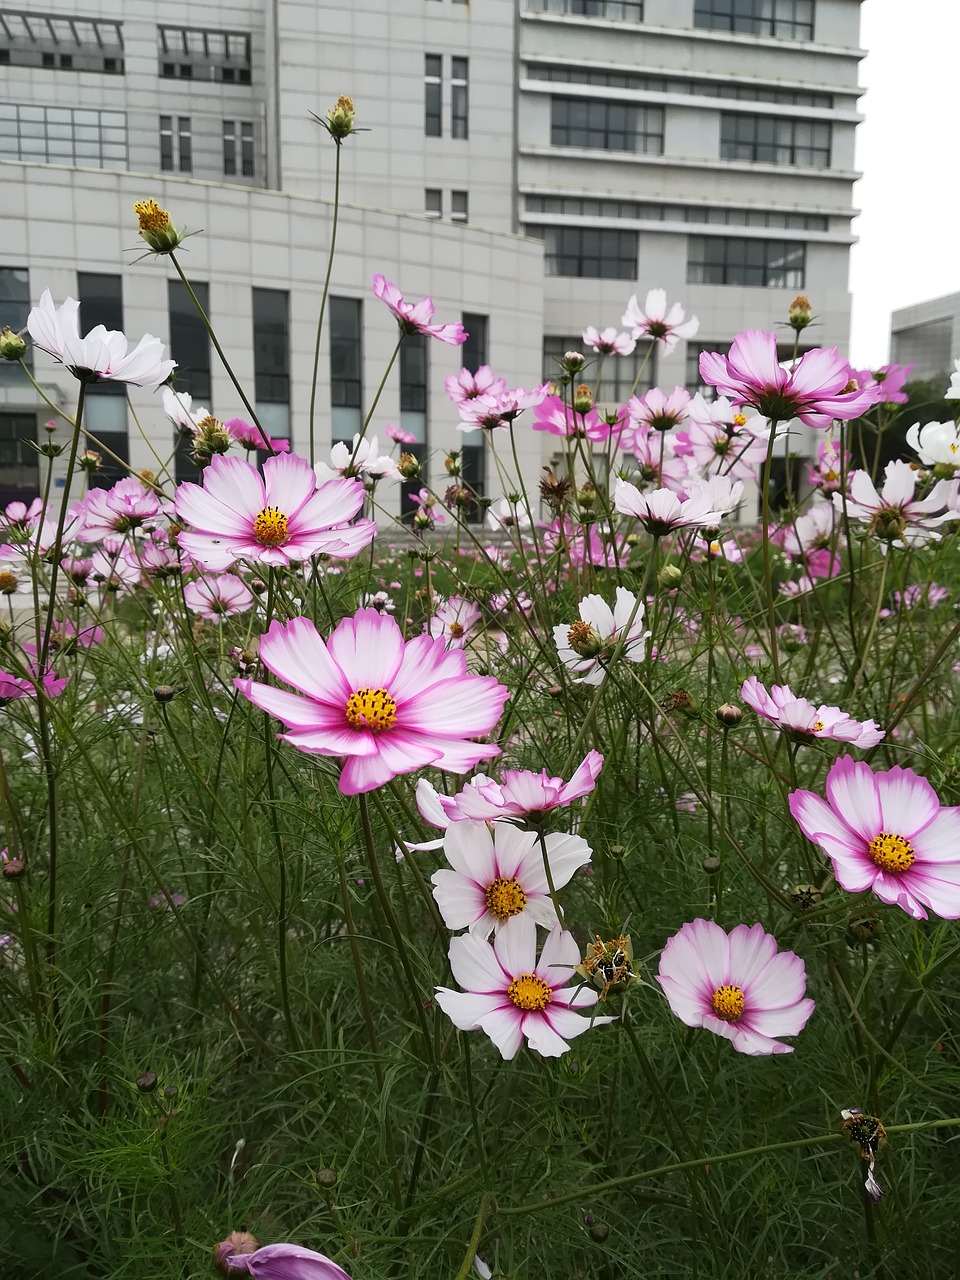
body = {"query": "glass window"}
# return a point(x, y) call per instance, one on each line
point(768, 264)
point(433, 202)
point(66, 44)
point(166, 143)
point(473, 474)
point(742, 89)
point(247, 166)
point(433, 95)
point(609, 126)
point(577, 207)
point(188, 53)
point(611, 10)
point(600, 253)
point(459, 206)
point(54, 135)
point(781, 19)
point(185, 139)
point(773, 140)
point(190, 347)
point(473, 353)
point(346, 367)
point(229, 148)
point(617, 375)
point(105, 414)
point(14, 309)
point(271, 359)
point(19, 472)
point(459, 91)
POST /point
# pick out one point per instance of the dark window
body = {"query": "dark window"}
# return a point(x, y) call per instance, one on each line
point(744, 90)
point(770, 264)
point(101, 301)
point(14, 309)
point(271, 360)
point(246, 148)
point(413, 410)
point(459, 206)
point(67, 42)
point(647, 211)
point(612, 10)
point(433, 202)
point(473, 353)
point(599, 253)
point(433, 95)
point(185, 138)
point(473, 473)
point(63, 135)
point(782, 19)
point(346, 367)
point(190, 347)
point(105, 409)
point(459, 97)
point(617, 374)
point(692, 380)
point(166, 143)
point(609, 126)
point(229, 148)
point(772, 140)
point(19, 473)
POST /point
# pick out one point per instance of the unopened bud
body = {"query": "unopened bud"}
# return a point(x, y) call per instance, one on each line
point(799, 314)
point(670, 576)
point(327, 1178)
point(90, 461)
point(598, 1231)
point(728, 715)
point(572, 362)
point(164, 693)
point(236, 1244)
point(147, 1082)
point(452, 463)
point(12, 346)
point(408, 466)
point(583, 399)
point(711, 866)
point(8, 582)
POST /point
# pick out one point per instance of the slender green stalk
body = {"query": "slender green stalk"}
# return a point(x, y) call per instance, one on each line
point(767, 570)
point(323, 300)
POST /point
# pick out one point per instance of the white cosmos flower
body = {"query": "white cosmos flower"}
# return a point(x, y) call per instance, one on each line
point(178, 406)
point(103, 355)
point(588, 644)
point(953, 391)
point(361, 458)
point(937, 444)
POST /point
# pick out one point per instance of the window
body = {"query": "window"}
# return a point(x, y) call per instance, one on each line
point(692, 380)
point(610, 126)
point(433, 95)
point(63, 43)
point(595, 252)
point(63, 135)
point(189, 53)
point(105, 407)
point(413, 410)
point(642, 81)
point(770, 140)
point(231, 128)
point(473, 474)
point(782, 19)
point(433, 202)
point(346, 367)
point(190, 347)
point(771, 264)
point(176, 149)
point(617, 375)
point(271, 360)
point(459, 91)
point(459, 206)
point(612, 10)
point(14, 309)
point(473, 353)
point(640, 211)
point(19, 473)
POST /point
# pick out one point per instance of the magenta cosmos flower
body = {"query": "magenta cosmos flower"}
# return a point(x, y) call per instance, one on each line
point(387, 706)
point(467, 386)
point(278, 518)
point(737, 985)
point(415, 317)
point(886, 832)
point(497, 874)
point(819, 388)
point(656, 320)
point(512, 996)
point(251, 437)
point(107, 512)
point(563, 420)
point(287, 1262)
point(520, 793)
point(13, 687)
point(803, 721)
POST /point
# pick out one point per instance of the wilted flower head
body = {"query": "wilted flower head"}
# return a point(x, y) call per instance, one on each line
point(609, 964)
point(867, 1134)
point(287, 1262)
point(156, 229)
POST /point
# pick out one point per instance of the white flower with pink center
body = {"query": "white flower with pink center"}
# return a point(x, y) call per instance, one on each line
point(587, 646)
point(454, 619)
point(666, 325)
point(737, 985)
point(513, 996)
point(895, 515)
point(803, 721)
point(218, 597)
point(609, 342)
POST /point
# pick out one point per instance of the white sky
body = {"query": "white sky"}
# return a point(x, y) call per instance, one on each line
point(907, 149)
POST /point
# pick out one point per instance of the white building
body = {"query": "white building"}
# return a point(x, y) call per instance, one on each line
point(529, 164)
point(927, 336)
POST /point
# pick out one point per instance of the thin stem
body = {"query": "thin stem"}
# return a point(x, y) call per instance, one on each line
point(767, 574)
point(323, 301)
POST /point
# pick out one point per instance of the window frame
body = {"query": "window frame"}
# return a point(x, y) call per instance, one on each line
point(433, 95)
point(604, 124)
point(744, 262)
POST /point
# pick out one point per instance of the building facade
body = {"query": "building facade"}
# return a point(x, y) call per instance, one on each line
point(530, 163)
point(927, 336)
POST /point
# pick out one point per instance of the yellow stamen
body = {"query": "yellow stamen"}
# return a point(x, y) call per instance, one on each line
point(371, 709)
point(151, 216)
point(739, 419)
point(891, 852)
point(456, 630)
point(505, 898)
point(529, 992)
point(728, 1003)
point(270, 527)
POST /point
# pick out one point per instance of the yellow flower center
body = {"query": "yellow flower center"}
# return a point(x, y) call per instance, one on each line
point(371, 709)
point(728, 1003)
point(891, 853)
point(270, 527)
point(456, 630)
point(505, 898)
point(818, 726)
point(151, 216)
point(739, 419)
point(529, 992)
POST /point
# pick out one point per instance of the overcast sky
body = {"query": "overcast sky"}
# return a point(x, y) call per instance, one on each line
point(908, 149)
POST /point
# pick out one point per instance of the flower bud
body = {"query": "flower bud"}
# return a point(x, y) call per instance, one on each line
point(863, 929)
point(148, 1082)
point(341, 118)
point(236, 1244)
point(211, 437)
point(156, 229)
point(682, 701)
point(799, 314)
point(164, 693)
point(710, 532)
point(408, 466)
point(13, 868)
point(710, 866)
point(8, 582)
point(12, 346)
point(90, 461)
point(327, 1178)
point(728, 715)
point(583, 399)
point(50, 425)
point(598, 1231)
point(670, 576)
point(452, 463)
point(572, 362)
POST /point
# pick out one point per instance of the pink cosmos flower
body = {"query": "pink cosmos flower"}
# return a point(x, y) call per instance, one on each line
point(582, 544)
point(287, 1262)
point(656, 457)
point(655, 320)
point(921, 595)
point(662, 512)
point(498, 874)
point(453, 620)
point(218, 597)
point(107, 512)
point(415, 317)
point(609, 342)
point(562, 420)
point(586, 646)
point(103, 355)
point(465, 385)
point(886, 832)
point(818, 389)
point(22, 515)
point(887, 382)
point(893, 514)
point(737, 985)
point(827, 475)
point(656, 410)
point(398, 434)
point(278, 518)
point(519, 794)
point(802, 721)
point(385, 705)
point(808, 541)
point(721, 440)
point(251, 437)
point(512, 996)
point(494, 411)
point(13, 687)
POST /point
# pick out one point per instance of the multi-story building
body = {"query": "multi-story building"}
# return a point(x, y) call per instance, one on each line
point(531, 164)
point(927, 336)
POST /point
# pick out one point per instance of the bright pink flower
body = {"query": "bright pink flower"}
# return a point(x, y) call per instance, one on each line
point(737, 985)
point(13, 687)
point(563, 420)
point(809, 539)
point(887, 382)
point(512, 996)
point(496, 410)
point(655, 320)
point(894, 514)
point(656, 410)
point(519, 794)
point(21, 515)
point(250, 437)
point(278, 518)
point(656, 457)
point(886, 832)
point(465, 385)
point(827, 475)
point(287, 1262)
point(398, 434)
point(497, 874)
point(387, 706)
point(582, 545)
point(217, 596)
point(415, 317)
point(107, 512)
point(609, 342)
point(819, 388)
point(803, 721)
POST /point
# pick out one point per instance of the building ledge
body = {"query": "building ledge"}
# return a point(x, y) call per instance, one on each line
point(580, 154)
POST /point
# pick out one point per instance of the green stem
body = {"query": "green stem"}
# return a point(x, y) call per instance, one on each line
point(767, 574)
point(323, 302)
point(487, 1206)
